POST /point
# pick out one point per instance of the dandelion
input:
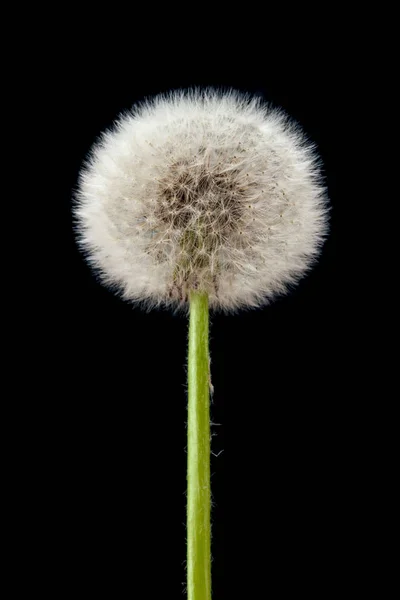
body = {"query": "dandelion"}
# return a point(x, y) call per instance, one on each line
point(201, 191)
point(201, 200)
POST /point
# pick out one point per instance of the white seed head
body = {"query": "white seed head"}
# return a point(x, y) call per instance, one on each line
point(202, 191)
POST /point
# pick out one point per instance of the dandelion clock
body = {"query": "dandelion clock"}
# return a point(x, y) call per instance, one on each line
point(201, 201)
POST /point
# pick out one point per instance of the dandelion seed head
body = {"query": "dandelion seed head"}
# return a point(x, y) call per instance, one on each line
point(204, 191)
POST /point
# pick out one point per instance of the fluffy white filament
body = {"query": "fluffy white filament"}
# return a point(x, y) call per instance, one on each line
point(202, 191)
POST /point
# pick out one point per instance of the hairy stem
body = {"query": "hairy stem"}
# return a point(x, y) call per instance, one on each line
point(198, 466)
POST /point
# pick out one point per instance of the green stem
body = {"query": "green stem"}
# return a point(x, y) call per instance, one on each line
point(198, 466)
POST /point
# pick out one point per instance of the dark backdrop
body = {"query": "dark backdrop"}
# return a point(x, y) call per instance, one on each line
point(280, 475)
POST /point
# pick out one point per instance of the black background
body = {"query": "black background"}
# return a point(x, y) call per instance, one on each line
point(282, 433)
